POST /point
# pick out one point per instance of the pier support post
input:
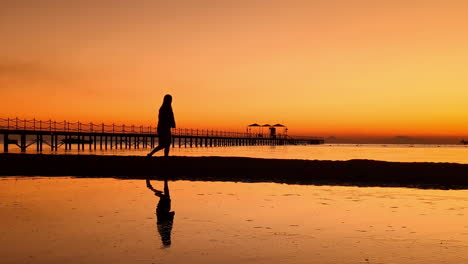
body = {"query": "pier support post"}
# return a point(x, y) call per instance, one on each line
point(38, 139)
point(52, 142)
point(23, 143)
point(5, 143)
point(41, 142)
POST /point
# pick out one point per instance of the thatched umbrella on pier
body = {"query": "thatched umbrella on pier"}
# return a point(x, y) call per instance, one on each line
point(283, 126)
point(265, 125)
point(249, 127)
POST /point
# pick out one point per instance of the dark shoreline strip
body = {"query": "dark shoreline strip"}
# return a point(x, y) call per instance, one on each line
point(353, 172)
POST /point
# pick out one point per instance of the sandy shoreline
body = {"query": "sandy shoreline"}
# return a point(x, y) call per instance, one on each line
point(353, 172)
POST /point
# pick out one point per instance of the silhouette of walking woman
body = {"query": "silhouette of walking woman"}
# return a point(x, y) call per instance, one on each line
point(166, 121)
point(164, 216)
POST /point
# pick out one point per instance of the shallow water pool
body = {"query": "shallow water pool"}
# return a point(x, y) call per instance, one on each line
point(72, 220)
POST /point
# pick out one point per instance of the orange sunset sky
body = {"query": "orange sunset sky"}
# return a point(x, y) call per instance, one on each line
point(336, 67)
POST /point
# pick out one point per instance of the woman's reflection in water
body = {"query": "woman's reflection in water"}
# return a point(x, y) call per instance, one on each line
point(165, 217)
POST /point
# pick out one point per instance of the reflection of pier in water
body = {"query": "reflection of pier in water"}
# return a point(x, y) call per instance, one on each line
point(24, 133)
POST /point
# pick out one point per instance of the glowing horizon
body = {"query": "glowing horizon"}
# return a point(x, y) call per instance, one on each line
point(361, 69)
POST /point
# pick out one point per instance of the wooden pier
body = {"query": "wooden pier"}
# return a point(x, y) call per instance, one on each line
point(54, 135)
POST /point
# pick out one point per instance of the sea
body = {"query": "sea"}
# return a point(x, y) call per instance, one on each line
point(381, 152)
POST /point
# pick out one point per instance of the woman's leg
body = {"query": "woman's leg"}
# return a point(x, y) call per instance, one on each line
point(166, 150)
point(164, 143)
point(168, 142)
point(156, 149)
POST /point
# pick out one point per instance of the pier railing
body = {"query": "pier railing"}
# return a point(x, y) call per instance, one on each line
point(90, 127)
point(26, 132)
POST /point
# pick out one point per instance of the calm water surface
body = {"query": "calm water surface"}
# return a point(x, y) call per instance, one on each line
point(69, 220)
point(402, 153)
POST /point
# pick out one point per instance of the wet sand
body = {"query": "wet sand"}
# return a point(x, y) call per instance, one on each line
point(352, 172)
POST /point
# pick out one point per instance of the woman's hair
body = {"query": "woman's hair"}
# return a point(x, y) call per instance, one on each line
point(167, 99)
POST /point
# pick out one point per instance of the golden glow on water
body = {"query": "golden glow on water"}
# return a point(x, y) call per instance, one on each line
point(398, 153)
point(66, 220)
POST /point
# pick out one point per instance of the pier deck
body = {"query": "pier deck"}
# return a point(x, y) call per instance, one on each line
point(25, 133)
